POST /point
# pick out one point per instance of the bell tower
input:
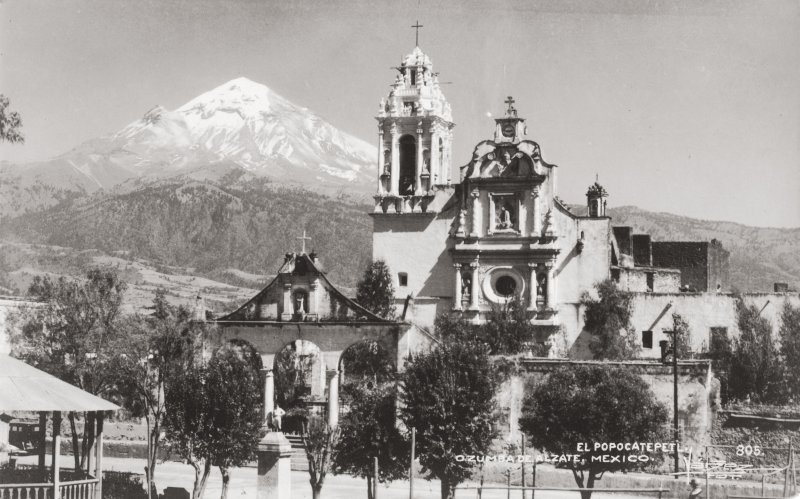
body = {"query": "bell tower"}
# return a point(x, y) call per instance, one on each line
point(414, 138)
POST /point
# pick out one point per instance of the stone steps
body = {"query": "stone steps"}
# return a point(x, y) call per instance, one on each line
point(299, 461)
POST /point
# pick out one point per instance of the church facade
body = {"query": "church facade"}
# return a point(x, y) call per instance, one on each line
point(466, 238)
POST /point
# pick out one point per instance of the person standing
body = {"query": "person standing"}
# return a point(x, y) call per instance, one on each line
point(694, 489)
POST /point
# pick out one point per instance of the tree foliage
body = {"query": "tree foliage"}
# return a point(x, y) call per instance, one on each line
point(448, 396)
point(213, 415)
point(507, 330)
point(591, 403)
point(608, 319)
point(755, 370)
point(368, 430)
point(10, 123)
point(75, 335)
point(375, 290)
point(682, 335)
point(790, 348)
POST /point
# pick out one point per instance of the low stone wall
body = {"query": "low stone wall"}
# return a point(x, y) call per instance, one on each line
point(696, 393)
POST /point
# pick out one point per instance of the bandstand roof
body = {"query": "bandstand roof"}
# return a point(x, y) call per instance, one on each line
point(25, 388)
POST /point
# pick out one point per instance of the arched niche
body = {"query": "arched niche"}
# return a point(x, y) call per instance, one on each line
point(408, 164)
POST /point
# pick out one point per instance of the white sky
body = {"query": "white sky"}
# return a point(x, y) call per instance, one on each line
point(688, 107)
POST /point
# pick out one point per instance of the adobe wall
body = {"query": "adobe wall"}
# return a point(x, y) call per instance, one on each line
point(653, 312)
point(690, 257)
point(696, 393)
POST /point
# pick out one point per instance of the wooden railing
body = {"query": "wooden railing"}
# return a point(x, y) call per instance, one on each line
point(75, 489)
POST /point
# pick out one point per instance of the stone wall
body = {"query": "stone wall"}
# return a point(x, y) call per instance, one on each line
point(696, 393)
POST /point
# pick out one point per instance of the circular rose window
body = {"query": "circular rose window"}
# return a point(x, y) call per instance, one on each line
point(501, 284)
point(505, 285)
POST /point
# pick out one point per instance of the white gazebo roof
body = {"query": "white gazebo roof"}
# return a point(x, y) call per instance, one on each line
point(25, 388)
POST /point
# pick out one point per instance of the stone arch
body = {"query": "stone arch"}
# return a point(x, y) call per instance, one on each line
point(408, 164)
point(299, 369)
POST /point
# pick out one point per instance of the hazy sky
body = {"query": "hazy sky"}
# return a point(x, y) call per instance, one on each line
point(688, 107)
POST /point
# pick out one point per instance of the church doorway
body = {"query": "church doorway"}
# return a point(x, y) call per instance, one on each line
point(408, 164)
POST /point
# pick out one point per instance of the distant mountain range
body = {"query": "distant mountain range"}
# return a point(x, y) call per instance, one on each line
point(217, 191)
point(238, 127)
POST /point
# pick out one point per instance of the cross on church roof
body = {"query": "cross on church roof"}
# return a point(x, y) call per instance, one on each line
point(303, 238)
point(417, 27)
point(510, 111)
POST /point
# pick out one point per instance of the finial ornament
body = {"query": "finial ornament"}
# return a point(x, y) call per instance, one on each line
point(511, 112)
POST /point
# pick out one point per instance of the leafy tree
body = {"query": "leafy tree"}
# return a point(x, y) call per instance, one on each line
point(74, 335)
point(608, 319)
point(448, 396)
point(720, 352)
point(368, 430)
point(507, 330)
point(156, 347)
point(375, 290)
point(213, 415)
point(319, 440)
point(187, 421)
point(592, 403)
point(755, 365)
point(10, 123)
point(233, 386)
point(790, 347)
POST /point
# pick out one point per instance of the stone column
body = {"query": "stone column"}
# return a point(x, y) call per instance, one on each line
point(457, 291)
point(288, 307)
point(418, 169)
point(274, 467)
point(98, 452)
point(551, 285)
point(473, 297)
point(475, 223)
point(536, 213)
point(333, 398)
point(269, 395)
point(381, 164)
point(533, 284)
point(435, 173)
point(395, 173)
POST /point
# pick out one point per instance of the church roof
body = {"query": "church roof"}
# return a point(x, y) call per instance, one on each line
point(306, 263)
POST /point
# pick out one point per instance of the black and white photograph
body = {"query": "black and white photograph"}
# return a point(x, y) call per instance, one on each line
point(399, 249)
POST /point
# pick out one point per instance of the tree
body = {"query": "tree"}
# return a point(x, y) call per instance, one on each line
point(187, 422)
point(319, 440)
point(10, 123)
point(213, 415)
point(375, 290)
point(368, 431)
point(755, 365)
point(233, 385)
point(608, 319)
point(790, 347)
point(592, 403)
point(74, 335)
point(448, 397)
point(156, 347)
point(290, 372)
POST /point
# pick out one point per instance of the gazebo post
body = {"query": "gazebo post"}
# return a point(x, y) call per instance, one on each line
point(56, 453)
point(42, 441)
point(98, 452)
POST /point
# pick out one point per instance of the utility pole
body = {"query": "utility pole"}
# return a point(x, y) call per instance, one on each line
point(674, 351)
point(411, 466)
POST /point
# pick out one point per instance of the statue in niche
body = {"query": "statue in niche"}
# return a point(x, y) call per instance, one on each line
point(466, 285)
point(387, 161)
point(300, 303)
point(504, 218)
point(541, 289)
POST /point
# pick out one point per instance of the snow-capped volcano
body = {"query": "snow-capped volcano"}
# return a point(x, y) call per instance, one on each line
point(238, 125)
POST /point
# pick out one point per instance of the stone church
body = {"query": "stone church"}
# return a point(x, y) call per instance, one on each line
point(466, 238)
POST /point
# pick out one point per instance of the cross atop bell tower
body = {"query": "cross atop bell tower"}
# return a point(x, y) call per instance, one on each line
point(416, 37)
